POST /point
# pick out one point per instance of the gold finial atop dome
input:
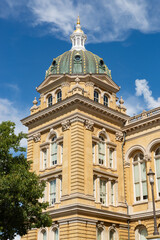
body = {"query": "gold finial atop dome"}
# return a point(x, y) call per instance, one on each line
point(78, 20)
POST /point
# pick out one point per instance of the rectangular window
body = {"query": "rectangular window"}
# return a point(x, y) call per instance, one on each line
point(44, 159)
point(158, 175)
point(52, 192)
point(112, 193)
point(101, 153)
point(53, 153)
point(103, 192)
point(50, 101)
point(93, 152)
point(111, 157)
point(144, 181)
point(94, 187)
point(137, 182)
point(59, 96)
point(61, 152)
point(96, 96)
point(60, 187)
point(105, 100)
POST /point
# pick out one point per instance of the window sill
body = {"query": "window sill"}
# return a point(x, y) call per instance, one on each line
point(50, 168)
point(103, 166)
point(140, 202)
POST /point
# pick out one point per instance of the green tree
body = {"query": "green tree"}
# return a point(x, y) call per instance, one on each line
point(20, 189)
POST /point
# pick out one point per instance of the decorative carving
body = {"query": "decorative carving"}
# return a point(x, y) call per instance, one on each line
point(147, 158)
point(65, 84)
point(100, 226)
point(89, 124)
point(89, 84)
point(37, 137)
point(127, 164)
point(65, 125)
point(119, 136)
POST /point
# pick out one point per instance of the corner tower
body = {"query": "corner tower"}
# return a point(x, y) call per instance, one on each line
point(75, 139)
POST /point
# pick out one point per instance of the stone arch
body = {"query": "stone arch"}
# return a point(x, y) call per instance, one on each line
point(112, 228)
point(51, 134)
point(151, 145)
point(47, 95)
point(103, 132)
point(52, 232)
point(138, 229)
point(40, 233)
point(133, 149)
point(98, 89)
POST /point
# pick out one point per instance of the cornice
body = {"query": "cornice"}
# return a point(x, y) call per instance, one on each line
point(52, 173)
point(142, 120)
point(54, 80)
point(78, 100)
point(70, 119)
point(143, 215)
point(87, 211)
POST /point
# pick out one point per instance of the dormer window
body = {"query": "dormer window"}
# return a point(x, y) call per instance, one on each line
point(54, 63)
point(101, 62)
point(50, 101)
point(96, 96)
point(59, 96)
point(77, 57)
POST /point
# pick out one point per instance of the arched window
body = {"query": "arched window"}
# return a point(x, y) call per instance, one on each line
point(105, 100)
point(140, 178)
point(54, 151)
point(101, 150)
point(44, 235)
point(157, 163)
point(50, 101)
point(96, 96)
point(141, 233)
point(112, 234)
point(59, 96)
point(54, 234)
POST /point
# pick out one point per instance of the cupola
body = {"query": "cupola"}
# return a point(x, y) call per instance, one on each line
point(78, 38)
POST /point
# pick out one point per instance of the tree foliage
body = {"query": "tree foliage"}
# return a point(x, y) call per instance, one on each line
point(20, 189)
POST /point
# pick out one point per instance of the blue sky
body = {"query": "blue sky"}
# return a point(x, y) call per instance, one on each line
point(126, 34)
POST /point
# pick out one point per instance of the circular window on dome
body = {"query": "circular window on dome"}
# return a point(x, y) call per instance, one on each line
point(54, 63)
point(77, 57)
point(101, 62)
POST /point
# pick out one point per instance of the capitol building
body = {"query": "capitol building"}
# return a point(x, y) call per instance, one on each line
point(92, 155)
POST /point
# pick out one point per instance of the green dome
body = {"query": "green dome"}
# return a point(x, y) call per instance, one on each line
point(78, 62)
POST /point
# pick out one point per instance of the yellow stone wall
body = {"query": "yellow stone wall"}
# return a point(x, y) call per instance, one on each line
point(77, 125)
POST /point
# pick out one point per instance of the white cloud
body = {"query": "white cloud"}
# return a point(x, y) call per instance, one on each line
point(8, 111)
point(142, 89)
point(136, 104)
point(103, 20)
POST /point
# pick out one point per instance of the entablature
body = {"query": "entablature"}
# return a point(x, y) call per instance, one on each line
point(77, 101)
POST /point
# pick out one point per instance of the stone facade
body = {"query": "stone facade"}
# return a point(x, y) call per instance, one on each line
point(94, 159)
